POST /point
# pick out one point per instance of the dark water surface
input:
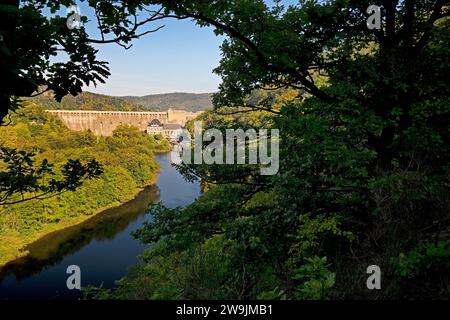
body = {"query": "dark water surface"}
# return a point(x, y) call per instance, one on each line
point(102, 246)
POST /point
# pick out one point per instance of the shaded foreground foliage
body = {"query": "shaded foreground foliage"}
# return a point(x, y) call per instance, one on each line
point(364, 161)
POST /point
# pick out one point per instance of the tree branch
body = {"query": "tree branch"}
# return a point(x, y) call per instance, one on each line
point(301, 78)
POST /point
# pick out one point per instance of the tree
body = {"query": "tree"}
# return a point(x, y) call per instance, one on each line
point(287, 46)
point(364, 144)
point(30, 37)
point(23, 181)
point(364, 147)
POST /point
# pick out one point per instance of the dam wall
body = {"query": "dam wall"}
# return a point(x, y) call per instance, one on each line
point(103, 123)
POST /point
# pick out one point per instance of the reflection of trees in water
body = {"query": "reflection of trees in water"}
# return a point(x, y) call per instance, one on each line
point(70, 240)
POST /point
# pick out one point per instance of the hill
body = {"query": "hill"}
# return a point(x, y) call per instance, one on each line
point(87, 101)
point(154, 102)
point(177, 100)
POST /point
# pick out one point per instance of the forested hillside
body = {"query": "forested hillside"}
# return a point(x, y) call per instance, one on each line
point(87, 101)
point(177, 100)
point(126, 157)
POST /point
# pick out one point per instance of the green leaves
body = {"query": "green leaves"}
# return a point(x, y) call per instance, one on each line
point(419, 269)
point(426, 257)
point(316, 279)
point(74, 172)
point(22, 180)
point(32, 38)
point(56, 173)
point(364, 146)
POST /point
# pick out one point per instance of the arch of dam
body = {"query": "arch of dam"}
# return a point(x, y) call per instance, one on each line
point(104, 122)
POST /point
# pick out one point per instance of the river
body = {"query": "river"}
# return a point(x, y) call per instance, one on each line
point(101, 246)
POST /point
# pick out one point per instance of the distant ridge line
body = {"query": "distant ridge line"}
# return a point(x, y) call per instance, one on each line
point(107, 111)
point(86, 100)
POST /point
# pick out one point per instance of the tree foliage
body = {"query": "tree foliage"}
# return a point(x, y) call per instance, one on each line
point(364, 152)
point(23, 177)
point(34, 34)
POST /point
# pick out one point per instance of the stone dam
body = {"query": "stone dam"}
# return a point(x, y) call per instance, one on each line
point(103, 123)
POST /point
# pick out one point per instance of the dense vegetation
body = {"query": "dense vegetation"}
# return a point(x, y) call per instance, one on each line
point(154, 102)
point(177, 100)
point(126, 158)
point(87, 101)
point(364, 163)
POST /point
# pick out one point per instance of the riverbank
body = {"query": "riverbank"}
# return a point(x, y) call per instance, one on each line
point(14, 245)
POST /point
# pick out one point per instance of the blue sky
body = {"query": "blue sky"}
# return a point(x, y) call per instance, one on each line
point(178, 58)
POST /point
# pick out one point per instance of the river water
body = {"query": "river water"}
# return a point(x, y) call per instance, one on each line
point(102, 246)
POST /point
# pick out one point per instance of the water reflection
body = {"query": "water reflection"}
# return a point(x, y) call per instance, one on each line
point(52, 248)
point(102, 246)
